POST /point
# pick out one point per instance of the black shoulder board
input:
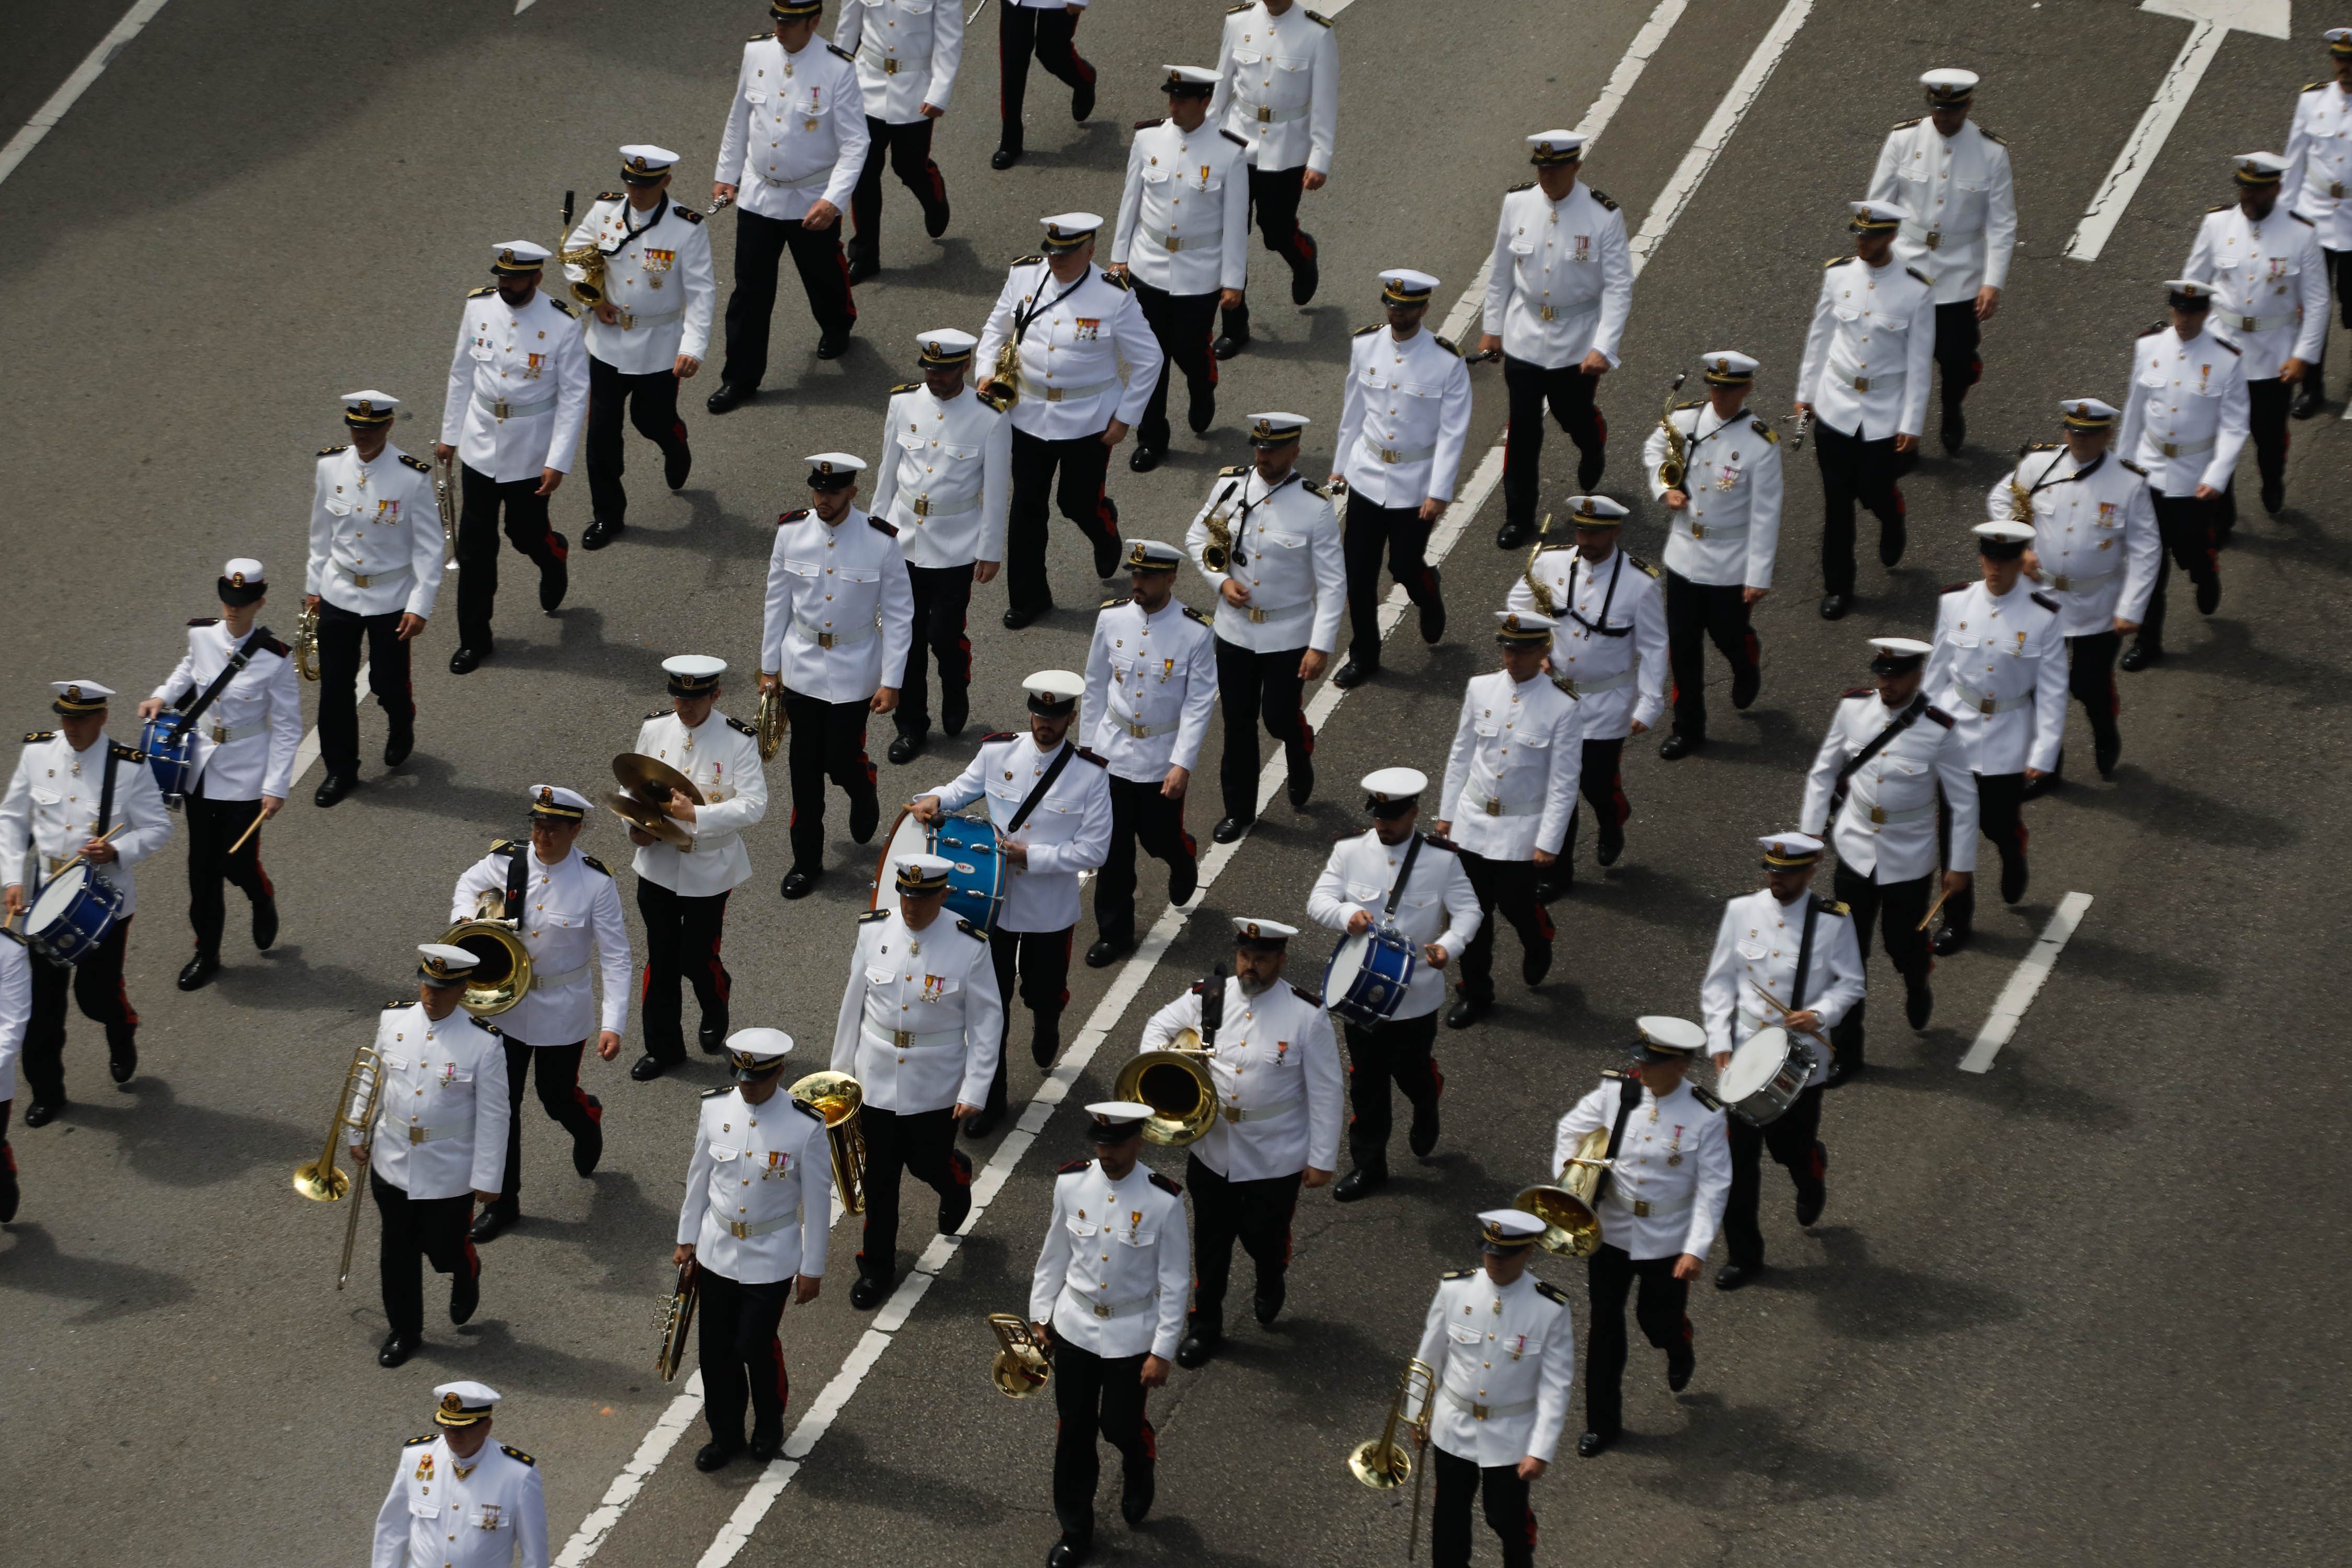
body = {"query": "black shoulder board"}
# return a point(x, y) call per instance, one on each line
point(666, 712)
point(1990, 135)
point(1027, 260)
point(1622, 1075)
point(1304, 995)
point(1706, 1097)
point(2135, 467)
point(2045, 600)
point(1771, 436)
point(1457, 1274)
point(1319, 19)
point(1641, 563)
point(715, 1093)
point(611, 196)
point(478, 293)
point(1695, 403)
point(1246, 5)
point(204, 620)
point(971, 930)
point(390, 1006)
point(1447, 345)
point(1907, 124)
point(420, 466)
point(1852, 693)
point(994, 399)
point(1603, 200)
point(2228, 345)
point(844, 54)
point(1522, 185)
point(758, 37)
point(1236, 140)
point(1830, 905)
point(1439, 841)
point(1360, 331)
point(740, 728)
point(1086, 755)
point(1837, 261)
point(1923, 277)
point(2313, 85)
point(1200, 988)
point(412, 1442)
point(1939, 716)
point(906, 386)
point(2303, 220)
point(873, 915)
point(1551, 1292)
point(595, 865)
point(2032, 446)
point(271, 645)
point(688, 214)
point(1195, 615)
point(1166, 1183)
point(1955, 587)
point(559, 304)
point(783, 518)
point(33, 737)
point(1235, 472)
point(331, 451)
point(1148, 124)
point(1120, 282)
point(125, 753)
point(881, 527)
point(505, 847)
point(999, 735)
point(508, 1449)
point(2221, 206)
point(492, 1029)
point(803, 1105)
point(1115, 604)
point(2151, 331)
point(1072, 1167)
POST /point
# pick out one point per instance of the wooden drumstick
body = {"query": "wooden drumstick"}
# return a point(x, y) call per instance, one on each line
point(258, 819)
point(1928, 918)
point(78, 857)
point(1787, 1013)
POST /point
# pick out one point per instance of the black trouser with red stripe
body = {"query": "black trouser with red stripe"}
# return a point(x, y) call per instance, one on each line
point(1794, 1139)
point(1958, 334)
point(1696, 615)
point(1094, 1393)
point(2001, 817)
point(1506, 888)
point(341, 632)
point(433, 1229)
point(1570, 392)
point(568, 1105)
point(482, 501)
point(942, 607)
point(827, 742)
point(2187, 526)
point(213, 826)
point(1255, 1213)
point(1460, 1481)
point(1274, 202)
point(1603, 786)
point(2090, 678)
point(1186, 325)
point(2267, 401)
point(743, 1358)
point(1255, 689)
point(651, 400)
point(1661, 1308)
point(1899, 907)
point(1041, 959)
point(1051, 36)
point(682, 937)
point(919, 1143)
point(907, 148)
point(97, 983)
point(760, 247)
point(1370, 530)
point(1139, 814)
point(1854, 470)
point(1083, 462)
point(1395, 1051)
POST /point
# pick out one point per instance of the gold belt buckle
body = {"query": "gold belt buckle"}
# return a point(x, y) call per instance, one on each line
point(1257, 615)
point(358, 581)
point(2336, 190)
point(1878, 814)
point(1141, 732)
point(2246, 324)
point(902, 1038)
point(1862, 384)
point(1266, 115)
point(416, 1135)
point(1698, 530)
point(739, 1230)
point(1477, 1412)
point(628, 319)
point(2062, 581)
point(1988, 707)
point(1388, 455)
point(824, 639)
point(923, 507)
point(1640, 1208)
point(1053, 395)
point(498, 409)
point(1101, 1310)
point(220, 735)
point(1935, 239)
point(1494, 806)
point(889, 68)
point(1547, 313)
point(2168, 448)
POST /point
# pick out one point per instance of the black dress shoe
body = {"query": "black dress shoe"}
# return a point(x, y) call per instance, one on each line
point(465, 661)
point(1949, 939)
point(1068, 1551)
point(1082, 102)
point(2208, 594)
point(2139, 655)
point(955, 1207)
point(2012, 879)
point(1732, 1275)
point(864, 816)
point(1305, 276)
point(868, 1292)
point(765, 1446)
point(2309, 396)
point(1300, 786)
point(1432, 613)
point(833, 345)
point(1744, 685)
point(1227, 345)
point(1611, 845)
point(1423, 1137)
point(711, 1038)
point(600, 532)
point(198, 971)
point(984, 1121)
point(1183, 881)
point(464, 1295)
point(1954, 429)
point(1045, 1042)
point(1135, 1492)
point(1017, 618)
point(41, 1112)
point(714, 1455)
point(907, 745)
point(1918, 1005)
point(1360, 1183)
point(265, 922)
point(1810, 1205)
point(1465, 1013)
point(1201, 412)
point(677, 464)
point(396, 1350)
point(10, 1194)
point(1107, 551)
point(1833, 607)
point(650, 1067)
point(1678, 745)
point(1352, 675)
point(1266, 1304)
point(935, 218)
point(1004, 157)
point(1535, 963)
point(1680, 1365)
point(1229, 828)
point(2106, 751)
point(724, 401)
point(2273, 496)
point(122, 1060)
point(861, 268)
point(588, 1147)
point(1193, 1351)
point(1589, 469)
point(1892, 537)
point(1511, 535)
point(1143, 459)
point(491, 1222)
point(955, 708)
point(1592, 1443)
point(799, 884)
point(555, 577)
point(1104, 953)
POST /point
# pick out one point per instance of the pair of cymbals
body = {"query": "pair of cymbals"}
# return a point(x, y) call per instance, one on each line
point(643, 799)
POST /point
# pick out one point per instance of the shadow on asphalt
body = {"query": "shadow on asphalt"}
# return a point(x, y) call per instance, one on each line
point(32, 1263)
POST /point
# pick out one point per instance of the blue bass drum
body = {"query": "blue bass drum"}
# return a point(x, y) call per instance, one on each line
point(976, 883)
point(71, 915)
point(1367, 978)
point(170, 754)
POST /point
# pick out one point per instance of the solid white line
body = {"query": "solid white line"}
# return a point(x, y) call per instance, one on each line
point(93, 65)
point(2025, 983)
point(308, 752)
point(2106, 208)
point(634, 1474)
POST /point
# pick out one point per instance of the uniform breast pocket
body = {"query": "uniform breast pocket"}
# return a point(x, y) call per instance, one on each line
point(913, 443)
point(424, 1510)
point(724, 1154)
point(1462, 1336)
point(1082, 1229)
point(1246, 57)
point(1140, 1236)
point(1538, 744)
point(1424, 389)
point(2154, 377)
point(1121, 672)
point(1156, 176)
point(1489, 730)
point(46, 796)
point(915, 7)
point(1847, 309)
point(959, 454)
point(482, 352)
point(337, 509)
point(1284, 541)
point(2209, 385)
point(1365, 893)
point(802, 568)
point(755, 95)
point(875, 977)
point(1905, 782)
point(862, 576)
point(488, 1516)
point(1753, 951)
point(1523, 245)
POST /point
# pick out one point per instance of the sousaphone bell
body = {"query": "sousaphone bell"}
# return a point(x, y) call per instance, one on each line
point(1571, 1224)
point(1176, 1084)
point(643, 799)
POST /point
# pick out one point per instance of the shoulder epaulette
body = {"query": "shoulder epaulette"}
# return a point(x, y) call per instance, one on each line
point(2313, 85)
point(1522, 185)
point(2303, 220)
point(1835, 261)
point(844, 54)
point(1072, 1167)
point(872, 915)
point(2151, 331)
point(1850, 693)
point(419, 465)
point(805, 1107)
point(740, 728)
point(390, 1007)
point(1923, 277)
point(561, 306)
point(1359, 331)
point(490, 1028)
point(2033, 447)
point(331, 451)
point(1694, 402)
point(688, 214)
point(1168, 1184)
point(1191, 613)
point(2135, 467)
point(971, 930)
point(1954, 588)
point(666, 712)
point(994, 399)
point(1027, 260)
point(509, 1451)
point(1236, 140)
point(271, 645)
point(424, 1437)
point(1771, 436)
point(611, 196)
point(715, 1093)
point(122, 752)
point(478, 293)
point(1200, 987)
point(1907, 124)
point(1641, 565)
point(906, 386)
point(204, 620)
point(1148, 124)
point(1622, 1075)
point(595, 865)
point(1319, 19)
point(1315, 488)
point(999, 735)
point(791, 516)
point(1990, 135)
point(1705, 1095)
point(1246, 5)
point(1457, 1274)
point(1086, 754)
point(1830, 905)
point(34, 737)
point(505, 847)
point(1304, 995)
point(1939, 716)
point(1119, 282)
point(2228, 345)
point(1446, 343)
point(1551, 1292)
point(758, 37)
point(1606, 203)
point(880, 526)
point(1439, 841)
point(1235, 472)
point(1115, 604)
point(2221, 206)
point(2045, 600)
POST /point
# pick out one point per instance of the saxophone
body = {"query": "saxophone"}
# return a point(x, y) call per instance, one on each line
point(1670, 472)
point(1218, 552)
point(583, 265)
point(1537, 586)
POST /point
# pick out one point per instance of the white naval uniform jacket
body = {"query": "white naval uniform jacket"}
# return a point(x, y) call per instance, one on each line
point(1865, 369)
point(1404, 418)
point(1673, 1176)
point(517, 386)
point(1438, 905)
point(15, 1010)
point(1757, 943)
point(375, 533)
point(2095, 534)
point(920, 1022)
point(1068, 833)
point(721, 758)
point(1886, 827)
point(1730, 530)
point(51, 810)
point(657, 273)
point(1999, 668)
point(246, 740)
point(1151, 683)
point(1286, 550)
point(1115, 1274)
point(759, 1190)
point(443, 1131)
point(1511, 776)
point(1278, 86)
point(572, 927)
point(1183, 215)
point(1597, 665)
point(796, 131)
point(1505, 1356)
point(1559, 283)
point(432, 1518)
point(945, 476)
point(2317, 184)
point(1961, 228)
point(1071, 351)
point(841, 608)
point(906, 52)
point(2273, 280)
point(1276, 1066)
point(2185, 416)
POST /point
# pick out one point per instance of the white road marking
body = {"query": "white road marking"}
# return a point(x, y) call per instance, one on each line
point(2024, 984)
point(93, 65)
point(637, 1472)
point(308, 752)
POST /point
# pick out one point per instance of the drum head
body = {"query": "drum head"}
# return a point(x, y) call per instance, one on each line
point(56, 897)
point(1347, 963)
point(1753, 1065)
point(907, 836)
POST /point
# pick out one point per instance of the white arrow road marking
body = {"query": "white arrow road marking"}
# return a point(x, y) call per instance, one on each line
point(45, 119)
point(2025, 983)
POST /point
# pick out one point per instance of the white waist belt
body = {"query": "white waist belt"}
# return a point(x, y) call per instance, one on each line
point(2261, 323)
point(1566, 313)
point(1715, 530)
point(365, 579)
point(912, 1040)
point(1260, 617)
point(633, 319)
point(1623, 678)
point(891, 67)
point(1142, 731)
point(1172, 243)
point(223, 734)
point(2066, 582)
point(436, 1134)
point(921, 507)
point(799, 183)
point(1071, 394)
point(832, 640)
point(1261, 1112)
point(501, 409)
point(1125, 1309)
point(1265, 114)
point(2183, 448)
point(1390, 454)
point(1864, 383)
point(1495, 807)
point(1880, 814)
point(742, 1230)
point(1933, 238)
point(558, 982)
point(1980, 702)
point(1477, 1412)
point(1642, 1208)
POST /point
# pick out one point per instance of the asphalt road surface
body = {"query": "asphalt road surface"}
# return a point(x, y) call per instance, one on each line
point(2077, 1309)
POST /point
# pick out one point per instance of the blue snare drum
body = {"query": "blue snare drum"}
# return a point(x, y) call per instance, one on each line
point(71, 915)
point(976, 882)
point(170, 743)
point(1368, 976)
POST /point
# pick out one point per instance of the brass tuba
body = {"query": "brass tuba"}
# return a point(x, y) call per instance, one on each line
point(772, 722)
point(1176, 1084)
point(1671, 471)
point(676, 1318)
point(306, 645)
point(320, 1181)
point(836, 1096)
point(1384, 1464)
point(1572, 1227)
point(1021, 1368)
point(502, 976)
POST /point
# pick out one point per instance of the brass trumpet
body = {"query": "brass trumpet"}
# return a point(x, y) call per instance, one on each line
point(1176, 1084)
point(306, 646)
point(1571, 1226)
point(836, 1096)
point(1384, 1464)
point(772, 722)
point(1023, 1366)
point(676, 1318)
point(320, 1181)
point(1671, 471)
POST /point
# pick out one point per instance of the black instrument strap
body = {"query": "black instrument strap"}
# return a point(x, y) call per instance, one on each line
point(1908, 717)
point(515, 873)
point(1404, 875)
point(661, 209)
point(1021, 319)
point(106, 795)
point(1804, 955)
point(2085, 472)
point(1629, 1097)
point(1037, 795)
point(1212, 1006)
point(1237, 558)
point(229, 671)
point(1567, 600)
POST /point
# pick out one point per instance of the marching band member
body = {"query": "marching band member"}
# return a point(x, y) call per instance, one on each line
point(1281, 579)
point(438, 1147)
point(923, 1072)
point(238, 681)
point(840, 616)
point(1150, 702)
point(1111, 1318)
point(453, 1495)
point(1765, 972)
point(1605, 622)
point(682, 892)
point(1510, 783)
point(759, 1205)
point(2317, 187)
point(908, 54)
point(1390, 875)
point(72, 784)
point(1499, 1418)
point(1049, 800)
point(1660, 1203)
point(564, 910)
point(1278, 88)
point(1048, 29)
point(1276, 1071)
point(373, 575)
point(15, 1011)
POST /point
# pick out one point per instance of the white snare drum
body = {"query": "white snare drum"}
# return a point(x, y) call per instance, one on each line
point(1764, 1077)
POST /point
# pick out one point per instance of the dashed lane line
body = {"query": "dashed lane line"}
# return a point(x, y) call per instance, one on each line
point(2023, 985)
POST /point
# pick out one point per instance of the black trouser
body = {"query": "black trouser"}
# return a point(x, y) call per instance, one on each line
point(1958, 335)
point(2339, 277)
point(339, 635)
point(1083, 462)
point(1042, 960)
point(908, 149)
point(1854, 469)
point(1051, 35)
point(2001, 817)
point(682, 937)
point(2090, 678)
point(1274, 201)
point(431, 1228)
point(1370, 530)
point(1602, 786)
point(942, 603)
point(1140, 814)
point(2267, 401)
point(1186, 325)
point(1255, 689)
point(1793, 1141)
point(1661, 1308)
point(741, 1357)
point(482, 501)
point(1398, 1052)
point(827, 742)
point(2186, 525)
point(1256, 1214)
point(1697, 614)
point(1094, 1393)
point(1570, 392)
point(1900, 906)
point(213, 826)
point(97, 984)
point(1459, 1481)
point(919, 1141)
point(1508, 887)
point(568, 1105)
point(652, 402)
point(760, 247)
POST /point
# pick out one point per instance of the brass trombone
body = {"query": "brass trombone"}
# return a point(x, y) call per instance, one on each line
point(1571, 1226)
point(771, 722)
point(320, 1181)
point(1021, 1367)
point(306, 646)
point(1176, 1084)
point(1384, 1464)
point(836, 1096)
